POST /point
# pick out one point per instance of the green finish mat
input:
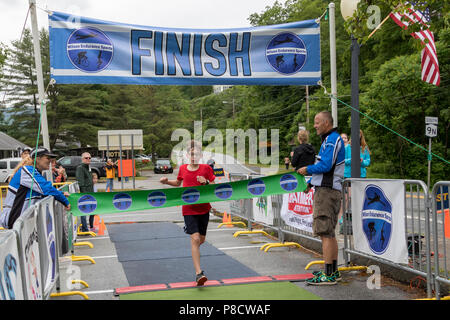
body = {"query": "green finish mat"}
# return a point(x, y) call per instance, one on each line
point(282, 290)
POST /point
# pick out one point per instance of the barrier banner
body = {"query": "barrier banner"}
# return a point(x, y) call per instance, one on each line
point(25, 225)
point(262, 210)
point(86, 50)
point(113, 202)
point(10, 272)
point(297, 210)
point(47, 237)
point(378, 219)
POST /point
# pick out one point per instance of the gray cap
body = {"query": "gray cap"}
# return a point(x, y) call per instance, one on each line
point(41, 151)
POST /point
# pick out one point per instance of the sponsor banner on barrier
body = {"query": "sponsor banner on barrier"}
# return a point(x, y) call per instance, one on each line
point(10, 273)
point(86, 50)
point(48, 243)
point(28, 236)
point(114, 202)
point(378, 219)
point(297, 210)
point(262, 210)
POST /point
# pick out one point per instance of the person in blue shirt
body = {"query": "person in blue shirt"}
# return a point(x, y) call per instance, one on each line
point(326, 177)
point(28, 186)
point(364, 157)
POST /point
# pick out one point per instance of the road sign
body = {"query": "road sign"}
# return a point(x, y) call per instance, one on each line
point(432, 120)
point(431, 130)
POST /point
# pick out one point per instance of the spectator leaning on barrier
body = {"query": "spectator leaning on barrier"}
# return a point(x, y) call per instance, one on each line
point(327, 174)
point(29, 183)
point(84, 178)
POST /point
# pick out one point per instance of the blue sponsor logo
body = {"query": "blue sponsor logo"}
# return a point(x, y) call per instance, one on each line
point(224, 191)
point(87, 204)
point(89, 49)
point(190, 195)
point(256, 187)
point(286, 53)
point(122, 201)
point(376, 218)
point(288, 182)
point(156, 199)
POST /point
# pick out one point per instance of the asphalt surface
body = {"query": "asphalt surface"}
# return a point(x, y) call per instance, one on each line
point(107, 272)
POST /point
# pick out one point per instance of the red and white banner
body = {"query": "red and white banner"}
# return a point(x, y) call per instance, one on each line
point(297, 210)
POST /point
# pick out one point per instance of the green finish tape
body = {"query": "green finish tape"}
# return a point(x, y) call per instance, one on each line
point(125, 201)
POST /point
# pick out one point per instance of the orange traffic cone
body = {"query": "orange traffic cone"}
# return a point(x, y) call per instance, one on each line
point(229, 221)
point(225, 217)
point(96, 223)
point(101, 230)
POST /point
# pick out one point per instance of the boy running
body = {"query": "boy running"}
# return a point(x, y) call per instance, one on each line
point(196, 216)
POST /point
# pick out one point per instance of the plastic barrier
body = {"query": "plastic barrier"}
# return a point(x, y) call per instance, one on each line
point(11, 287)
point(373, 235)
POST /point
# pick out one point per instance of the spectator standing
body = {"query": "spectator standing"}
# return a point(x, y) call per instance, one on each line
point(304, 154)
point(364, 157)
point(110, 170)
point(84, 177)
point(327, 174)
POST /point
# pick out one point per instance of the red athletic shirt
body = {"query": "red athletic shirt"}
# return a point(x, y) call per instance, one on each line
point(189, 179)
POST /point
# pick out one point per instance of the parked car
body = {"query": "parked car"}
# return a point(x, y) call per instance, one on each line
point(7, 167)
point(70, 163)
point(142, 158)
point(163, 166)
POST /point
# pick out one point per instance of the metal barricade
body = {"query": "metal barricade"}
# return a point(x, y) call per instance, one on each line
point(417, 229)
point(440, 203)
point(241, 208)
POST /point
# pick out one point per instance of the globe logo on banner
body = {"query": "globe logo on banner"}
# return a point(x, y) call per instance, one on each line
point(286, 53)
point(87, 204)
point(288, 182)
point(89, 49)
point(156, 199)
point(122, 201)
point(376, 216)
point(224, 191)
point(190, 195)
point(51, 241)
point(256, 187)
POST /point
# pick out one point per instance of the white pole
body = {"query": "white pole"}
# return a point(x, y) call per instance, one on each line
point(334, 112)
point(39, 74)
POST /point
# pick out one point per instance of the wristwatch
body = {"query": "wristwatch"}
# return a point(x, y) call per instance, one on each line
point(207, 182)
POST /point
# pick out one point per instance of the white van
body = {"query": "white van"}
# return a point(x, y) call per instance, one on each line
point(7, 167)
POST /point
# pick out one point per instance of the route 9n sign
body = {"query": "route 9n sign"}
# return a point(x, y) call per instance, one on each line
point(431, 130)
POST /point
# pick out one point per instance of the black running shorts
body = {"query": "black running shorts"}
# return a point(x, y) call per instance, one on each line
point(196, 223)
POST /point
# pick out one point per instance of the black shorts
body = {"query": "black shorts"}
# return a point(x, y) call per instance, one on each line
point(196, 223)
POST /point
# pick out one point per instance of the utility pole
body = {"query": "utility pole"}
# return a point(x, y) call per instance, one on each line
point(39, 74)
point(333, 76)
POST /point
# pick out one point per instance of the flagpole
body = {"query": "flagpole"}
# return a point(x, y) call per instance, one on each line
point(379, 26)
point(39, 74)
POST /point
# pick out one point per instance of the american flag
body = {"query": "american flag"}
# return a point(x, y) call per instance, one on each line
point(430, 64)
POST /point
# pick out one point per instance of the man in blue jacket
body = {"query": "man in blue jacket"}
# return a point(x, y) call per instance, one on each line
point(326, 177)
point(28, 186)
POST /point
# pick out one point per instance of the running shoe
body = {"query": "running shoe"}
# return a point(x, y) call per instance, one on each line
point(337, 275)
point(200, 278)
point(321, 279)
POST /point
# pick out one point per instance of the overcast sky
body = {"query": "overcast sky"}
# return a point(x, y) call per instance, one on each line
point(166, 13)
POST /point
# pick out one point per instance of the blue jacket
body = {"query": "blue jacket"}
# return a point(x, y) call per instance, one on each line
point(19, 194)
point(328, 171)
point(348, 160)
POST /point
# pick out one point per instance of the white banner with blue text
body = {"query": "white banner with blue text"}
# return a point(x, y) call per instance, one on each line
point(85, 50)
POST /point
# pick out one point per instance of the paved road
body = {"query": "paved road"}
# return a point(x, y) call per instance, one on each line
point(107, 273)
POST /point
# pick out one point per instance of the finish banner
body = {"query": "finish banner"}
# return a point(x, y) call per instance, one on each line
point(114, 202)
point(85, 50)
